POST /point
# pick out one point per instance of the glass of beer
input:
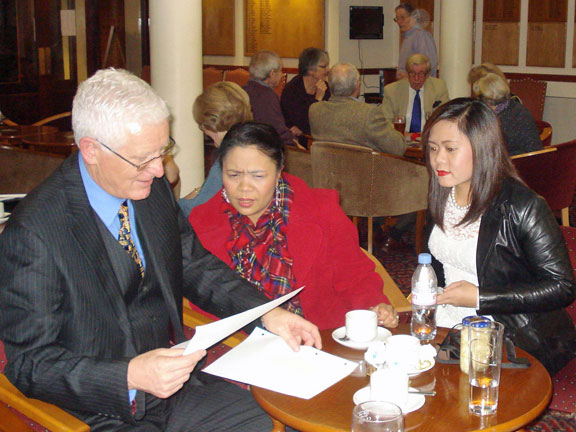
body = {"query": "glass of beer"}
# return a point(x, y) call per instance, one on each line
point(485, 363)
point(400, 123)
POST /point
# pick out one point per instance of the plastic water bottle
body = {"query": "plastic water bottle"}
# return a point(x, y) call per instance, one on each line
point(424, 293)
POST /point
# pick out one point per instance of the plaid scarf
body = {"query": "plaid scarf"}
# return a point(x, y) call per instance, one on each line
point(260, 253)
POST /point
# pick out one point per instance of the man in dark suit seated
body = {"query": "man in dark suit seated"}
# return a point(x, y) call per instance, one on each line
point(415, 96)
point(345, 119)
point(95, 263)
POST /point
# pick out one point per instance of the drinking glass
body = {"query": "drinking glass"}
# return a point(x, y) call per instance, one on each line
point(374, 416)
point(400, 123)
point(485, 341)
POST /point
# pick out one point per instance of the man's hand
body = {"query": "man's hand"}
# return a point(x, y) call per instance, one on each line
point(294, 329)
point(321, 88)
point(162, 372)
point(460, 293)
point(387, 315)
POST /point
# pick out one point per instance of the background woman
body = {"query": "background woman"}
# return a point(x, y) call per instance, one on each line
point(220, 106)
point(304, 89)
point(498, 248)
point(280, 234)
point(518, 126)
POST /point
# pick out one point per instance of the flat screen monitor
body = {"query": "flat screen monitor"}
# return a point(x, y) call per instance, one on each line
point(366, 22)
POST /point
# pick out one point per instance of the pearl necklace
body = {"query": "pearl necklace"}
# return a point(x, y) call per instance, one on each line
point(453, 199)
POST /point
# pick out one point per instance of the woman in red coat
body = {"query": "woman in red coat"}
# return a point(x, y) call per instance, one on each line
point(280, 234)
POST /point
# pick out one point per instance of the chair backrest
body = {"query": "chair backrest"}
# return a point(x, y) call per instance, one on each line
point(238, 76)
point(63, 121)
point(551, 173)
point(210, 76)
point(23, 170)
point(370, 183)
point(532, 93)
point(298, 162)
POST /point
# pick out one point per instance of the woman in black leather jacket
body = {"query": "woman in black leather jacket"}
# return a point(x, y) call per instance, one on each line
point(498, 247)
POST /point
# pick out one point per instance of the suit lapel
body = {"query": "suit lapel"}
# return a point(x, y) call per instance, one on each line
point(83, 225)
point(148, 225)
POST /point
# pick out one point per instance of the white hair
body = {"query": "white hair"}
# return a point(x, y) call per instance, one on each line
point(112, 103)
point(343, 79)
point(262, 63)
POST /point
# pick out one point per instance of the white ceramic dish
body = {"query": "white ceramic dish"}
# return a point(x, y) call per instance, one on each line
point(415, 401)
point(4, 218)
point(424, 366)
point(382, 335)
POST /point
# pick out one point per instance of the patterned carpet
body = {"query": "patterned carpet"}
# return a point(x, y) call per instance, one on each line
point(401, 265)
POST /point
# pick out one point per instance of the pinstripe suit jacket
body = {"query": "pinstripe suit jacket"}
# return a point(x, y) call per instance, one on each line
point(63, 318)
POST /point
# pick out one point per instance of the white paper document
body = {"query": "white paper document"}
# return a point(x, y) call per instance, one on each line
point(208, 334)
point(265, 360)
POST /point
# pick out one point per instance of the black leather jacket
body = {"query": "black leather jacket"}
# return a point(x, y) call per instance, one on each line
point(524, 274)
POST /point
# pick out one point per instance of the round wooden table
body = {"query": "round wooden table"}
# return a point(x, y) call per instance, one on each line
point(13, 135)
point(524, 394)
point(55, 142)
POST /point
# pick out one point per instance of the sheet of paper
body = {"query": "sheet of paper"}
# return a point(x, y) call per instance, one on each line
point(4, 197)
point(265, 360)
point(208, 334)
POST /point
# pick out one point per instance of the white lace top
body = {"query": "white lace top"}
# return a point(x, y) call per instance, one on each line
point(455, 248)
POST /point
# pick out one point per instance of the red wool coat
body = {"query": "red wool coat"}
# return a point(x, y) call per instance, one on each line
point(324, 244)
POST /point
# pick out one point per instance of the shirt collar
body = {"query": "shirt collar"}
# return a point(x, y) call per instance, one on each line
point(105, 205)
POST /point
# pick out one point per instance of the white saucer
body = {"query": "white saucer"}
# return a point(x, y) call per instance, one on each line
point(415, 401)
point(424, 365)
point(4, 218)
point(382, 335)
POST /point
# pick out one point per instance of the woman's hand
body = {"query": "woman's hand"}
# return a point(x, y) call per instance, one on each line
point(387, 315)
point(294, 329)
point(321, 88)
point(460, 293)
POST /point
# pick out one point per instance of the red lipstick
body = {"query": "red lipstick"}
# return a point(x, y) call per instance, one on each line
point(442, 173)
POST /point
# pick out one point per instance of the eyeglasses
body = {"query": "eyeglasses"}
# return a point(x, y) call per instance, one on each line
point(417, 74)
point(400, 18)
point(141, 167)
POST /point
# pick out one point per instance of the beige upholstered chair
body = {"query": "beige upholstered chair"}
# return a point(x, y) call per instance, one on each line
point(299, 163)
point(372, 184)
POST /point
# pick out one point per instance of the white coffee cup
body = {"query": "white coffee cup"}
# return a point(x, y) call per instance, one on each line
point(389, 385)
point(405, 351)
point(361, 325)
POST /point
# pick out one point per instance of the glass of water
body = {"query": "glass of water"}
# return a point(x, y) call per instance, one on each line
point(375, 416)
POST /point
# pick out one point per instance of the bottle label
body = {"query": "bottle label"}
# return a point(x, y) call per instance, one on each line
point(426, 298)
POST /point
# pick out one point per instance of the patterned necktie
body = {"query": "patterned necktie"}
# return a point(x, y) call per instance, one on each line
point(416, 121)
point(125, 238)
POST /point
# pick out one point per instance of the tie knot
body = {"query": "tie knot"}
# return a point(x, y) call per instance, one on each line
point(123, 212)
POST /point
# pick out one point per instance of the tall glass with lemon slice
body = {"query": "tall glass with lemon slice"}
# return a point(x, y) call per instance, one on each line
point(485, 341)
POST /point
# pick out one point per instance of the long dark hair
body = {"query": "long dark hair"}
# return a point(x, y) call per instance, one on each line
point(491, 164)
point(261, 135)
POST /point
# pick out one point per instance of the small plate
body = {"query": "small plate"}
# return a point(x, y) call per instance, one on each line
point(382, 335)
point(415, 401)
point(4, 218)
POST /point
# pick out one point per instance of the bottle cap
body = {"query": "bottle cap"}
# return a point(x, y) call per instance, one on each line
point(424, 258)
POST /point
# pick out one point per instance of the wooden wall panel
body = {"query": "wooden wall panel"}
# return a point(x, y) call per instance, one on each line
point(546, 44)
point(500, 43)
point(547, 11)
point(501, 11)
point(282, 26)
point(218, 27)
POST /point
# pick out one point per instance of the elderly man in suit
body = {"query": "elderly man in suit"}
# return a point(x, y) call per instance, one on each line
point(415, 96)
point(343, 118)
point(95, 263)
